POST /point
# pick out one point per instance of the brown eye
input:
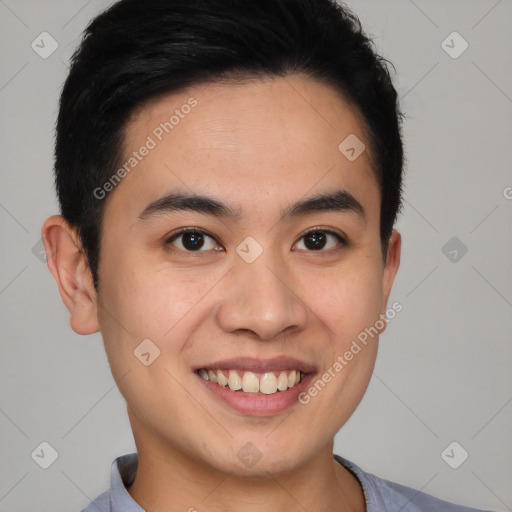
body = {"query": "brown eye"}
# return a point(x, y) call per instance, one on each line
point(319, 240)
point(192, 240)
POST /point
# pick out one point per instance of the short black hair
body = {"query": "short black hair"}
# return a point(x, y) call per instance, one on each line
point(138, 50)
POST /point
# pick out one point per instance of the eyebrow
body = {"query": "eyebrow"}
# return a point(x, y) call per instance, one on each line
point(337, 201)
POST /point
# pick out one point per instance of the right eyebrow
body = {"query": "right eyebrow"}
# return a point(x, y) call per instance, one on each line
point(177, 201)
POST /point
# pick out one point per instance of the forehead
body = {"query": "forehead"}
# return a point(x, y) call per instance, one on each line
point(278, 138)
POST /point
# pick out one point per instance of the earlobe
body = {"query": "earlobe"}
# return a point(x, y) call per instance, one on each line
point(70, 269)
point(391, 267)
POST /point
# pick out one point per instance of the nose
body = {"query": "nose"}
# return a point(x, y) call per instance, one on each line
point(260, 301)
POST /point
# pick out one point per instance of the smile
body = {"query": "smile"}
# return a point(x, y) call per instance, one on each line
point(267, 383)
point(256, 386)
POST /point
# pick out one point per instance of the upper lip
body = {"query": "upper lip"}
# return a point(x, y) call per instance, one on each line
point(256, 365)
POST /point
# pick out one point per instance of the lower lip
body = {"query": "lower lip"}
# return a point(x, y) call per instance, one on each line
point(258, 404)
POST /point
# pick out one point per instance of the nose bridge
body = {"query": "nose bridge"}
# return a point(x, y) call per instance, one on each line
point(260, 298)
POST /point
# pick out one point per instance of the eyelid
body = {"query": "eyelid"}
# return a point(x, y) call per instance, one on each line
point(190, 229)
point(173, 236)
point(324, 229)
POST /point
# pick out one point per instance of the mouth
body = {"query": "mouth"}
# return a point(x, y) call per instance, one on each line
point(245, 381)
point(256, 387)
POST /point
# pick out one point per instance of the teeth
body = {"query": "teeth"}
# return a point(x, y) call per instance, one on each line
point(250, 383)
point(234, 381)
point(221, 379)
point(268, 383)
point(282, 382)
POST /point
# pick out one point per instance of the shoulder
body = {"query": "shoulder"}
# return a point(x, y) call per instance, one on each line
point(418, 501)
point(116, 498)
point(385, 496)
point(100, 504)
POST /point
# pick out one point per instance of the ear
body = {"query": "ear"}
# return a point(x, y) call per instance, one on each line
point(68, 265)
point(391, 267)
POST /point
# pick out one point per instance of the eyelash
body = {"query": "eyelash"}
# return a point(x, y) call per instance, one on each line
point(182, 231)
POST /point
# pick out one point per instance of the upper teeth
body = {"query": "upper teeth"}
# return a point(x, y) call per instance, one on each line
point(268, 382)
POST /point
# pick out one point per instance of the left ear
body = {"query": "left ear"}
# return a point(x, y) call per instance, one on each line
point(391, 267)
point(71, 271)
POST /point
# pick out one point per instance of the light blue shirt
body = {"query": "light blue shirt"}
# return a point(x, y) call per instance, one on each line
point(381, 495)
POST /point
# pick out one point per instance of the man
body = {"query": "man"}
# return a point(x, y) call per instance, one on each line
point(229, 175)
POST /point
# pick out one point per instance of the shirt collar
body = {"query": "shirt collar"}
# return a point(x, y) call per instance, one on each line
point(122, 475)
point(124, 469)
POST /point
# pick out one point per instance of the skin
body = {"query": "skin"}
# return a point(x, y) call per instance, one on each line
point(258, 146)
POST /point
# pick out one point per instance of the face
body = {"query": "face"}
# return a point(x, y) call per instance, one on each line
point(278, 272)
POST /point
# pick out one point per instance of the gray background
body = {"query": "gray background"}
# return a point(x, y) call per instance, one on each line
point(443, 372)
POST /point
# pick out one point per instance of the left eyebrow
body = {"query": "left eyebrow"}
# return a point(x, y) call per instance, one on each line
point(339, 201)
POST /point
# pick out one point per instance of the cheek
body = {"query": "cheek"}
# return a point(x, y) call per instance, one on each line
point(148, 299)
point(348, 305)
point(141, 306)
point(150, 302)
point(347, 301)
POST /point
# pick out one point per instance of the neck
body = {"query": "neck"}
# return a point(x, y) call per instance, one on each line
point(171, 480)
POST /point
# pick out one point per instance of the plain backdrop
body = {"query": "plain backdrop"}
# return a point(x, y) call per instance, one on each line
point(443, 370)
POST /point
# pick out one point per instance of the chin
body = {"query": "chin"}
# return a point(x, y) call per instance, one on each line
point(255, 456)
